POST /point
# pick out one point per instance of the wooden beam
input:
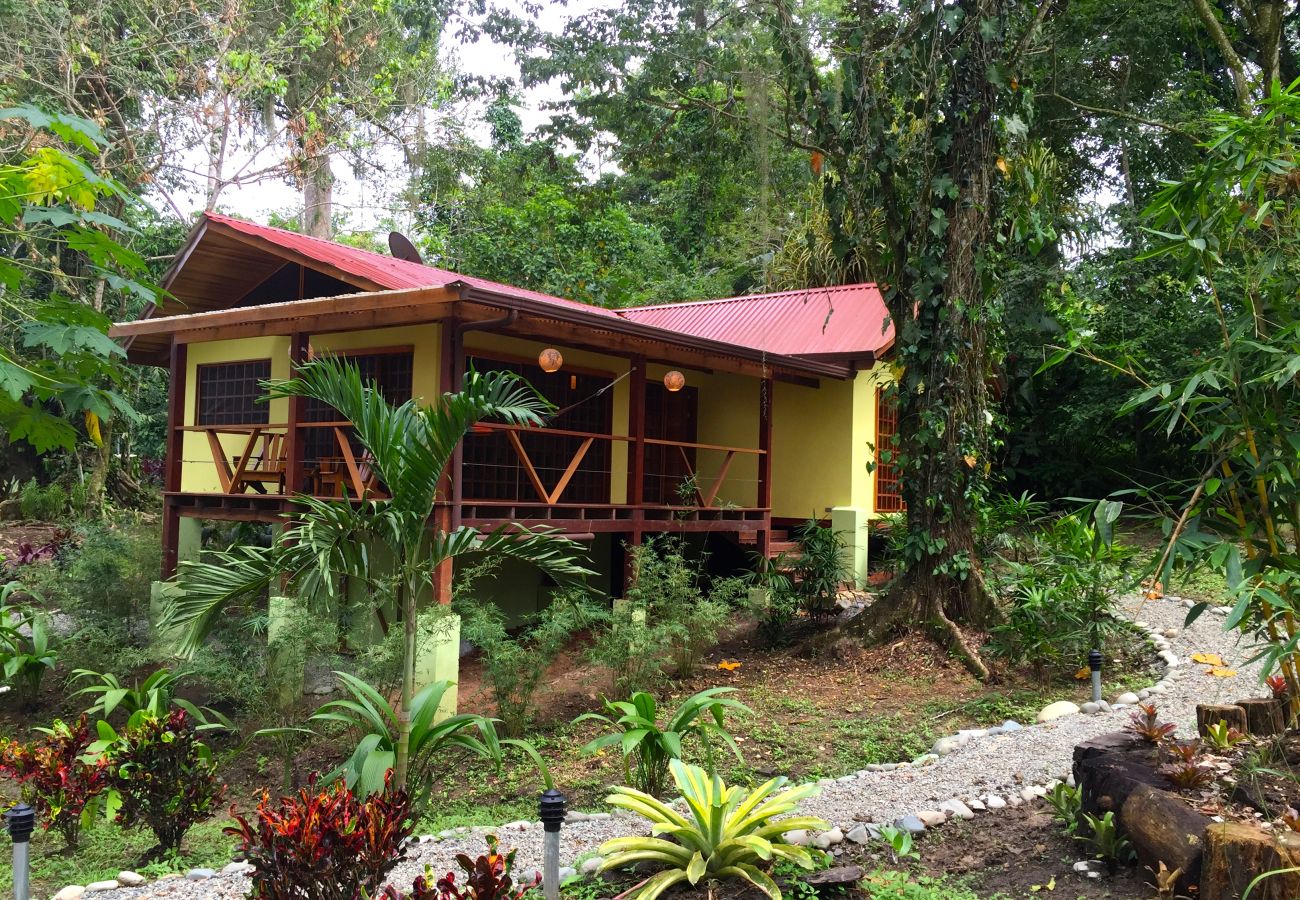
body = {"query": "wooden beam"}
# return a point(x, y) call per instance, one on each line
point(296, 445)
point(289, 316)
point(219, 460)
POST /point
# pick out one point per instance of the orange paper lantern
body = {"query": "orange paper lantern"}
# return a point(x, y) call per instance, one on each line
point(674, 381)
point(550, 360)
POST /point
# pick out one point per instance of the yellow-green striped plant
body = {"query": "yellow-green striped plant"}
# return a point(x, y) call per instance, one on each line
point(727, 834)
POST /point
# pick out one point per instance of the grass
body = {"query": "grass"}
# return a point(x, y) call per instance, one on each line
point(107, 849)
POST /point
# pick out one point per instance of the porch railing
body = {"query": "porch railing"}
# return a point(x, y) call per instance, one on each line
point(259, 463)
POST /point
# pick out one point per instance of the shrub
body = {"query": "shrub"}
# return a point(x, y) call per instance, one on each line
point(665, 616)
point(53, 776)
point(105, 578)
point(326, 845)
point(26, 654)
point(514, 664)
point(727, 834)
point(164, 775)
point(156, 695)
point(1063, 594)
point(43, 504)
point(648, 748)
point(820, 568)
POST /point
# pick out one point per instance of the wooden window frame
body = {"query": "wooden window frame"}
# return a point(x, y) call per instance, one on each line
point(261, 412)
point(888, 497)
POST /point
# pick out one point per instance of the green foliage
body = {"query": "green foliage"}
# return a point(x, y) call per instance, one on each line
point(728, 834)
point(1063, 592)
point(324, 845)
point(366, 771)
point(665, 617)
point(899, 841)
point(821, 568)
point(1221, 736)
point(163, 776)
point(103, 576)
point(489, 876)
point(26, 652)
point(43, 504)
point(155, 696)
point(57, 363)
point(515, 662)
point(1067, 806)
point(892, 884)
point(647, 747)
point(1107, 841)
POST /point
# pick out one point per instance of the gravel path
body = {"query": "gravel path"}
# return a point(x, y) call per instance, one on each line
point(1003, 764)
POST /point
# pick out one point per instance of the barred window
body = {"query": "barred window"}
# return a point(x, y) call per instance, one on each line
point(889, 493)
point(228, 393)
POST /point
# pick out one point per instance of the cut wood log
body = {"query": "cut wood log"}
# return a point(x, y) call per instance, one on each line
point(1208, 714)
point(1164, 829)
point(1263, 716)
point(1109, 767)
point(1236, 853)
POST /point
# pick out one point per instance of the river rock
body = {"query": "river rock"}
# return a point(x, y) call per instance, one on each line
point(946, 745)
point(200, 874)
point(931, 817)
point(1128, 698)
point(127, 878)
point(109, 885)
point(71, 892)
point(956, 809)
point(993, 801)
point(910, 824)
point(1053, 711)
point(589, 866)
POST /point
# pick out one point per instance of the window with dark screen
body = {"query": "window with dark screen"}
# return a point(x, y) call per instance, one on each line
point(390, 370)
point(229, 393)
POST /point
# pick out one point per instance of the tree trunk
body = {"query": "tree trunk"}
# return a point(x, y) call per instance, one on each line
point(944, 426)
point(1208, 715)
point(318, 196)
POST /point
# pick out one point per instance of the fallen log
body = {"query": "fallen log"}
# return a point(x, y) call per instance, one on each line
point(1165, 829)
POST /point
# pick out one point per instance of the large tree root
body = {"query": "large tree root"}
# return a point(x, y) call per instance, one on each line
point(884, 619)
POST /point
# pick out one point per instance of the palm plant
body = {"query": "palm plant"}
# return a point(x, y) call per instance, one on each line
point(410, 446)
point(374, 717)
point(647, 747)
point(156, 695)
point(727, 833)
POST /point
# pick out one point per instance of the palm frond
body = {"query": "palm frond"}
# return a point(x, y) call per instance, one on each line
point(203, 589)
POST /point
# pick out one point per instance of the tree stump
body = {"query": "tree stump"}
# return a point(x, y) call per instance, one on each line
point(1165, 829)
point(1263, 716)
point(1208, 714)
point(1237, 853)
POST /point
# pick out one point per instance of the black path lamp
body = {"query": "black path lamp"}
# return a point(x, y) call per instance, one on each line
point(21, 821)
point(1094, 664)
point(551, 810)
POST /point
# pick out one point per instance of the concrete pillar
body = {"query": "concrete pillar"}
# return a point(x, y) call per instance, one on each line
point(188, 545)
point(286, 657)
point(438, 659)
point(850, 522)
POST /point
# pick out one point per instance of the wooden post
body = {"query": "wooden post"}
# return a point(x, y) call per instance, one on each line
point(295, 445)
point(766, 396)
point(636, 431)
point(447, 518)
point(175, 458)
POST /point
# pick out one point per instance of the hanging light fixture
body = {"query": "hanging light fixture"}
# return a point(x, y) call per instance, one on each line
point(674, 381)
point(550, 360)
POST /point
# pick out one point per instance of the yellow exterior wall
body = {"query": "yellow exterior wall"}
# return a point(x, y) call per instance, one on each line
point(812, 449)
point(518, 348)
point(198, 471)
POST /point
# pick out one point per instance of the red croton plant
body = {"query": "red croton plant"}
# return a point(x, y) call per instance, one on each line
point(324, 844)
point(54, 778)
point(487, 878)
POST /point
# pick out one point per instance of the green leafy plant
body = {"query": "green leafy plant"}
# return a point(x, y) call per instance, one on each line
point(1222, 736)
point(1110, 844)
point(55, 777)
point(155, 695)
point(648, 747)
point(26, 657)
point(726, 834)
point(515, 661)
point(164, 777)
point(1146, 724)
point(43, 504)
point(899, 841)
point(820, 568)
point(1067, 806)
point(431, 739)
point(324, 844)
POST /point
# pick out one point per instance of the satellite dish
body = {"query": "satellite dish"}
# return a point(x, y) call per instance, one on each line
point(401, 247)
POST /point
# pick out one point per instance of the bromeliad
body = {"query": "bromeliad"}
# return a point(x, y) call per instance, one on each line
point(727, 834)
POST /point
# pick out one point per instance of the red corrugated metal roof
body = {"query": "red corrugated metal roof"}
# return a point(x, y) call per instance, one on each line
point(385, 271)
point(841, 320)
point(836, 320)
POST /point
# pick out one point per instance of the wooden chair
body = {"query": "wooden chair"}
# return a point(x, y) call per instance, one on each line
point(266, 468)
